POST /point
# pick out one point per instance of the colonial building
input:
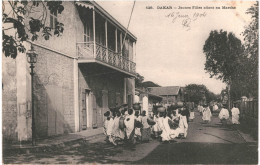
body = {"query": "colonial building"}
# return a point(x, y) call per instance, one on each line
point(170, 94)
point(78, 75)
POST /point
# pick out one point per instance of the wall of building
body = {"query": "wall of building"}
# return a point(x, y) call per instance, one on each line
point(98, 83)
point(54, 93)
point(66, 43)
point(9, 99)
point(169, 99)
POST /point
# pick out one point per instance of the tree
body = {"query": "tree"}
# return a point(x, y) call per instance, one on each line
point(225, 57)
point(24, 20)
point(251, 38)
point(139, 80)
point(150, 84)
point(197, 93)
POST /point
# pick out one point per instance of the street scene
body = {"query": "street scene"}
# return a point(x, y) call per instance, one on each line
point(130, 82)
point(205, 144)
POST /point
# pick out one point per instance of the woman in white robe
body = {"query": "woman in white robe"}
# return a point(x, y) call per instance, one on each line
point(138, 130)
point(108, 128)
point(130, 125)
point(223, 114)
point(206, 114)
point(235, 115)
point(183, 125)
point(156, 129)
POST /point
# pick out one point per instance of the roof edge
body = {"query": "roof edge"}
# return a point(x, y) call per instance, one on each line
point(102, 10)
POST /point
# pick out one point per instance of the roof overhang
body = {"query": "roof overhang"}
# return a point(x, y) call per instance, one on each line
point(86, 5)
point(104, 13)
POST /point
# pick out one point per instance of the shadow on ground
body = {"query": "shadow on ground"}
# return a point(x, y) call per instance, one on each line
point(201, 153)
point(84, 152)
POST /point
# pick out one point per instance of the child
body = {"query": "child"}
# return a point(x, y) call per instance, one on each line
point(138, 130)
point(183, 125)
point(156, 128)
point(108, 127)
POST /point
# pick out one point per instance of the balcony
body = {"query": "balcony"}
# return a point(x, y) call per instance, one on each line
point(101, 54)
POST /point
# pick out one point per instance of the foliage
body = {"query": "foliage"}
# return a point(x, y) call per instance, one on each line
point(196, 93)
point(251, 38)
point(149, 84)
point(224, 55)
point(24, 20)
point(139, 80)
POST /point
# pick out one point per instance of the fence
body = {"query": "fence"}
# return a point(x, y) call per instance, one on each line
point(248, 108)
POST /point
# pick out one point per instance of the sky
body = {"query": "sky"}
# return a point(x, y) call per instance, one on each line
point(169, 51)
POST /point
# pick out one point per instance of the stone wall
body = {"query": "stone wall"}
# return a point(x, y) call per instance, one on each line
point(54, 93)
point(9, 99)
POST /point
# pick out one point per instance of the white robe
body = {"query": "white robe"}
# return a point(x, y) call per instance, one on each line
point(192, 115)
point(138, 130)
point(200, 108)
point(206, 114)
point(167, 132)
point(223, 114)
point(235, 115)
point(215, 107)
point(110, 126)
point(117, 132)
point(129, 124)
point(183, 125)
point(156, 127)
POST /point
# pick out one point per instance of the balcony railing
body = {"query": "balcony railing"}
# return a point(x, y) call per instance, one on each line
point(86, 51)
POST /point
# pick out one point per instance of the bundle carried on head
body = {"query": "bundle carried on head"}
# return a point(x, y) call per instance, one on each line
point(150, 121)
point(161, 109)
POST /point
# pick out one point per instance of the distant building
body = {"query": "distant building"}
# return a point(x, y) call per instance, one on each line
point(146, 99)
point(170, 94)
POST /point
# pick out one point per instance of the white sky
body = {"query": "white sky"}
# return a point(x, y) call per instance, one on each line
point(167, 53)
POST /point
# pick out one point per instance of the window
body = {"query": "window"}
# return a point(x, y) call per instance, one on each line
point(86, 32)
point(53, 19)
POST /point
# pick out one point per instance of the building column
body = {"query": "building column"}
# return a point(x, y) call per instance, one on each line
point(121, 46)
point(125, 91)
point(116, 39)
point(23, 82)
point(106, 40)
point(94, 33)
point(145, 103)
point(76, 94)
point(134, 51)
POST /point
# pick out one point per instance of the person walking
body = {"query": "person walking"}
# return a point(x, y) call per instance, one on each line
point(130, 126)
point(206, 114)
point(145, 130)
point(235, 115)
point(108, 128)
point(138, 134)
point(223, 115)
point(183, 124)
point(156, 128)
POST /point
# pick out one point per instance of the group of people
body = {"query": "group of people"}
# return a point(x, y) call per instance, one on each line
point(128, 126)
point(170, 125)
point(224, 115)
